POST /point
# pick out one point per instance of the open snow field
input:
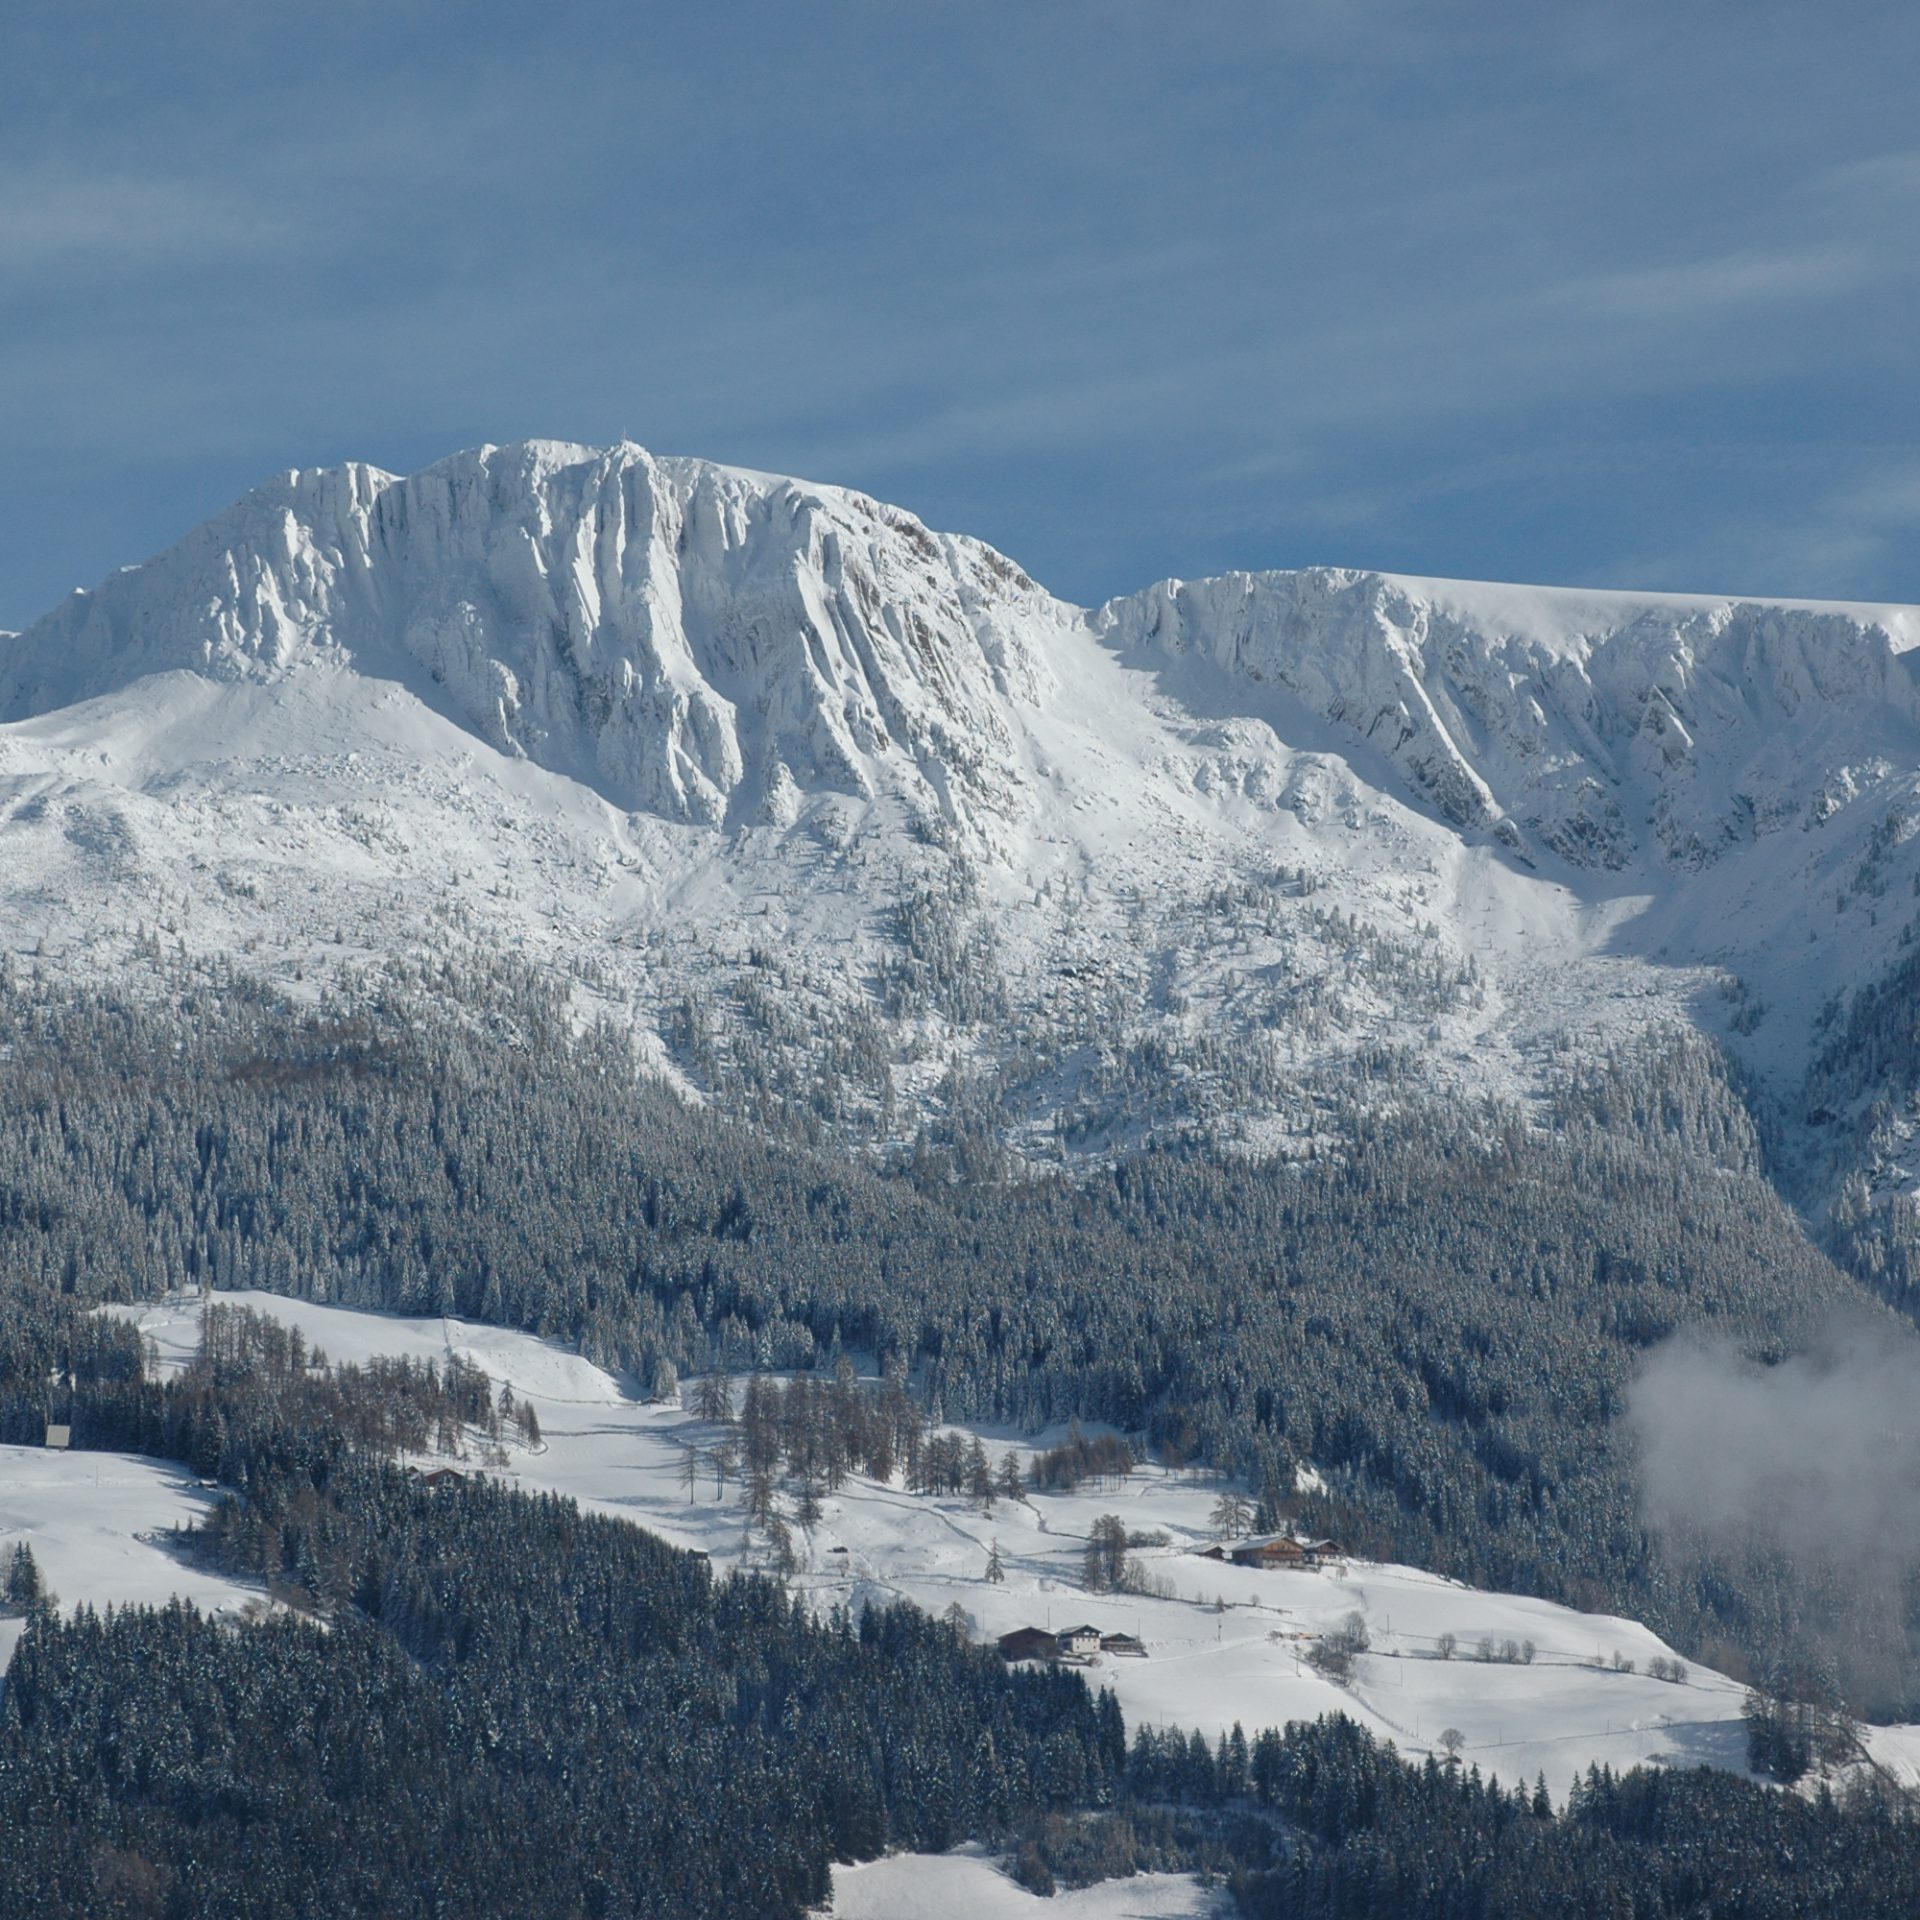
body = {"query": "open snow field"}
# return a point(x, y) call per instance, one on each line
point(97, 1524)
point(939, 1886)
point(1230, 1644)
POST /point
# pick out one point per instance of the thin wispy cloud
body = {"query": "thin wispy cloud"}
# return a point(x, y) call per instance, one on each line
point(1127, 292)
point(60, 223)
point(1707, 290)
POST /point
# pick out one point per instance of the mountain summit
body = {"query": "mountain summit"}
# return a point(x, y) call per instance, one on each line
point(850, 817)
point(693, 640)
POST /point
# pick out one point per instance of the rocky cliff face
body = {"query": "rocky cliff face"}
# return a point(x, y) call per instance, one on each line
point(1600, 728)
point(694, 641)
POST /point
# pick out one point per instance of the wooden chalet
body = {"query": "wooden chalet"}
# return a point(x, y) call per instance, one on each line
point(1029, 1643)
point(1275, 1550)
point(1123, 1644)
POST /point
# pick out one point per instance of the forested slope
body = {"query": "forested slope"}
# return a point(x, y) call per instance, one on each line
point(1444, 1321)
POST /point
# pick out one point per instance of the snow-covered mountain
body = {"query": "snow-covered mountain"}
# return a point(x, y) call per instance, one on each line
point(1605, 729)
point(849, 815)
point(698, 643)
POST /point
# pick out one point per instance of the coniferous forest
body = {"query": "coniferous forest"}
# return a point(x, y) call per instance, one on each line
point(1444, 1320)
point(485, 1702)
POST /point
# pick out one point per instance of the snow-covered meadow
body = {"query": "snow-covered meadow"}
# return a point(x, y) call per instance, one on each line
point(98, 1526)
point(920, 1886)
point(1223, 1644)
point(1227, 1644)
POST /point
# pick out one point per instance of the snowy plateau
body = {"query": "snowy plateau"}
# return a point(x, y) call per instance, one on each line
point(841, 815)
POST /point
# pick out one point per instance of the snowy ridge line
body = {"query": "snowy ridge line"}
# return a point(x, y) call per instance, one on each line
point(801, 792)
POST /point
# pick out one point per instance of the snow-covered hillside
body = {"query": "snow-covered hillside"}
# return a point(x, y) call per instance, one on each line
point(1224, 1644)
point(815, 799)
point(97, 1524)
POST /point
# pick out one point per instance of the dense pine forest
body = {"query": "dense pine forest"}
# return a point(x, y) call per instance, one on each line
point(1443, 1319)
point(478, 1702)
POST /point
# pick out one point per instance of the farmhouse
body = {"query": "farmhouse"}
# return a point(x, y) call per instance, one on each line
point(1275, 1550)
point(1029, 1643)
point(1076, 1643)
point(439, 1479)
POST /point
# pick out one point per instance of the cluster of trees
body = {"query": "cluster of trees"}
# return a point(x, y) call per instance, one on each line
point(486, 1702)
point(1103, 1458)
point(1334, 1653)
point(816, 1429)
point(1358, 1830)
point(1786, 1737)
point(22, 1590)
point(254, 1393)
point(1444, 1319)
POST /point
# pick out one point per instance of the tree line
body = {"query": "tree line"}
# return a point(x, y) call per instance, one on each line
point(1443, 1318)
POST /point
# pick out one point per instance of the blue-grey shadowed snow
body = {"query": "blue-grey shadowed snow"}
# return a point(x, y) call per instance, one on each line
point(1619, 294)
point(1807, 1473)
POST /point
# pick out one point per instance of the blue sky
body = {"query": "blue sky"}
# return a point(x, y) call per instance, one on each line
point(1612, 294)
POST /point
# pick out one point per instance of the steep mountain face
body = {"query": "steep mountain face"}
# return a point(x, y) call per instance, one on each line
point(1601, 729)
point(697, 642)
point(849, 821)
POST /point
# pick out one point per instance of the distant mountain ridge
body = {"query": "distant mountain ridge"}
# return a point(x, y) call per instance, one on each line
point(1577, 723)
point(709, 644)
point(849, 817)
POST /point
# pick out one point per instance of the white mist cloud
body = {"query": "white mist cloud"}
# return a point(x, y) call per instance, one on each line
point(1805, 1478)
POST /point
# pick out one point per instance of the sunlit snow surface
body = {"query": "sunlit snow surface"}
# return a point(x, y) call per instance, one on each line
point(1207, 1667)
point(966, 1885)
point(98, 1526)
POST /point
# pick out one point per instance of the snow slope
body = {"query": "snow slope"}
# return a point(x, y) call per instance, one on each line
point(947, 1886)
point(1208, 1665)
point(774, 775)
point(97, 1525)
